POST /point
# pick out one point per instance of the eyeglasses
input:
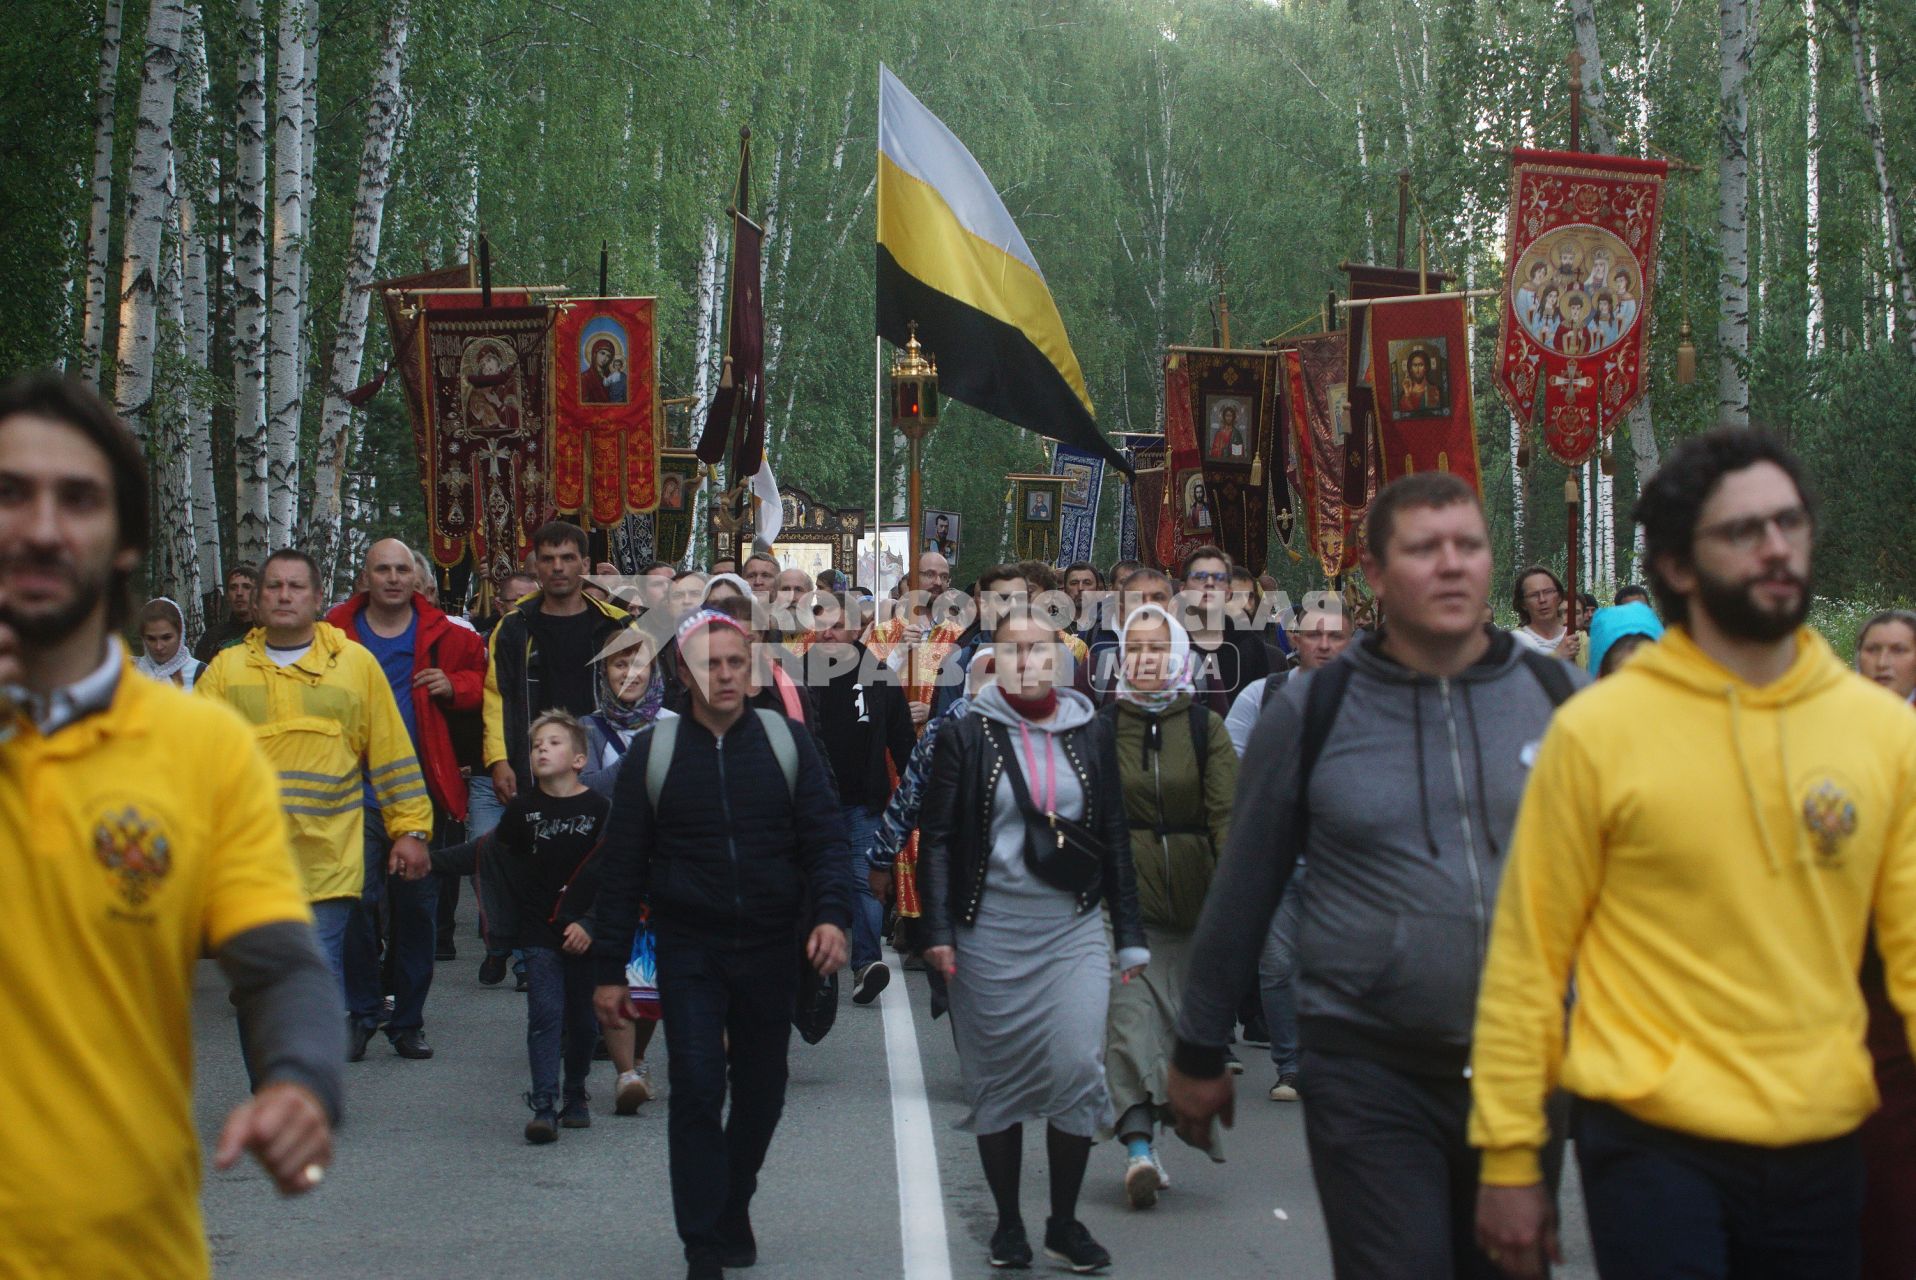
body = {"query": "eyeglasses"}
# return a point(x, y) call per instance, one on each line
point(1746, 533)
point(1202, 576)
point(1541, 593)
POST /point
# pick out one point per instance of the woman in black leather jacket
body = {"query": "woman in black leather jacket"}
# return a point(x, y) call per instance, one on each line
point(1021, 942)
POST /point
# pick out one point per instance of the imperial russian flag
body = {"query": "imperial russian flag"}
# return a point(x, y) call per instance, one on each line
point(951, 259)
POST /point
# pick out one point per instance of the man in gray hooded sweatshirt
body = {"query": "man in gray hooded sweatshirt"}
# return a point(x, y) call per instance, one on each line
point(1417, 742)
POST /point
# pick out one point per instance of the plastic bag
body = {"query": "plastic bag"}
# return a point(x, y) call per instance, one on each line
point(642, 970)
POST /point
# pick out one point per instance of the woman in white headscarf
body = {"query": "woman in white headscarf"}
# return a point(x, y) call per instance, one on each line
point(1179, 773)
point(164, 653)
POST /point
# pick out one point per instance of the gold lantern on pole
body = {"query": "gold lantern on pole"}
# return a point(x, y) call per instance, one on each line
point(914, 411)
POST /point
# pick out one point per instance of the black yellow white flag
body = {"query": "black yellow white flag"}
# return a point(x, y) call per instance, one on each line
point(951, 259)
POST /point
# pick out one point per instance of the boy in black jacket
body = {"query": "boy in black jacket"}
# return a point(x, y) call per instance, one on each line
point(533, 877)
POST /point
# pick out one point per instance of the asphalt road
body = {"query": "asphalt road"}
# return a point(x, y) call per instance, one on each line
point(433, 1178)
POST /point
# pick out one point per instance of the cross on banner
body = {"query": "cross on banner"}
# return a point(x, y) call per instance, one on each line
point(1571, 383)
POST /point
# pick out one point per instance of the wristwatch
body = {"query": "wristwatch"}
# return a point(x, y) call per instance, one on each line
point(423, 837)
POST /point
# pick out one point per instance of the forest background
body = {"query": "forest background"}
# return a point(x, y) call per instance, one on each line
point(194, 191)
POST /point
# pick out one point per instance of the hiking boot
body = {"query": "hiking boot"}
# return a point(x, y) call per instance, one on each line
point(1285, 1090)
point(576, 1115)
point(869, 981)
point(1071, 1244)
point(1009, 1248)
point(543, 1127)
point(633, 1091)
point(1141, 1182)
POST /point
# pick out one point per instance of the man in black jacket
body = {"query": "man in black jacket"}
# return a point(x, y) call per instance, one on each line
point(735, 858)
point(862, 718)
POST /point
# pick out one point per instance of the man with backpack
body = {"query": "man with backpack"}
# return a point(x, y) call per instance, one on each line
point(1397, 771)
point(724, 822)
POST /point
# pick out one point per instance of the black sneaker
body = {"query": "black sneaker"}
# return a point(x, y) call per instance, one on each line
point(1257, 1031)
point(521, 984)
point(542, 1128)
point(1071, 1244)
point(576, 1115)
point(445, 951)
point(1232, 1064)
point(738, 1247)
point(492, 970)
point(358, 1036)
point(1010, 1251)
point(869, 981)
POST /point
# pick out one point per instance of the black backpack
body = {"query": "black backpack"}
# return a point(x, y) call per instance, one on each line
point(1326, 694)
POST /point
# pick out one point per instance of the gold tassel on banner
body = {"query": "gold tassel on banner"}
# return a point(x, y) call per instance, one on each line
point(1257, 467)
point(1523, 452)
point(1607, 460)
point(1686, 356)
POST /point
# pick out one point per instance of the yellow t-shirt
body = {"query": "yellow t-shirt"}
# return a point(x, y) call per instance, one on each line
point(131, 843)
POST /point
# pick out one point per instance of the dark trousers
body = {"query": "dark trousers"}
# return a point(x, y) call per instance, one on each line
point(560, 1025)
point(410, 908)
point(1395, 1171)
point(707, 995)
point(1664, 1204)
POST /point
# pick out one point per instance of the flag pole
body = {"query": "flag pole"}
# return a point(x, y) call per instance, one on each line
point(878, 467)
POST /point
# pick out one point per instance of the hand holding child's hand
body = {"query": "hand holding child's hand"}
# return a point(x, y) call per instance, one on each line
point(577, 940)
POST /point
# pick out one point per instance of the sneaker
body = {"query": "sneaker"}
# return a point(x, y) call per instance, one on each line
point(543, 1127)
point(386, 1009)
point(576, 1115)
point(492, 970)
point(1257, 1031)
point(1069, 1243)
point(1285, 1090)
point(444, 950)
point(1231, 1063)
point(633, 1091)
point(1141, 1182)
point(522, 984)
point(869, 981)
point(1157, 1162)
point(1009, 1248)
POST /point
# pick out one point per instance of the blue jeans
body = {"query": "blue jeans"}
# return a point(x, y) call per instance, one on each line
point(483, 812)
point(413, 907)
point(1277, 978)
point(560, 1024)
point(868, 913)
point(1665, 1204)
point(708, 995)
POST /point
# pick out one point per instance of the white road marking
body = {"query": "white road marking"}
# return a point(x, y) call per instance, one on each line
point(921, 1196)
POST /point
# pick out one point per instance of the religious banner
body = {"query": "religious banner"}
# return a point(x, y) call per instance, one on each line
point(487, 402)
point(1186, 518)
point(634, 543)
point(679, 480)
point(1083, 474)
point(1233, 398)
point(1037, 512)
point(605, 408)
point(1139, 451)
point(1579, 274)
point(1317, 394)
point(1361, 471)
point(1420, 350)
point(402, 327)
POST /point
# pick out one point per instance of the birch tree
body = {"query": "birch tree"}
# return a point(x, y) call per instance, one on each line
point(194, 201)
point(1737, 45)
point(251, 524)
point(1863, 56)
point(384, 113)
point(175, 548)
point(285, 339)
point(1813, 336)
point(149, 188)
point(100, 226)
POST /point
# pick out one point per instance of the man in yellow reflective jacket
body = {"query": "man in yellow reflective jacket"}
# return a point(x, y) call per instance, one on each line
point(325, 716)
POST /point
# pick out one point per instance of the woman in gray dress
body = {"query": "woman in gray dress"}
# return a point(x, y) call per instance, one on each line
point(1017, 931)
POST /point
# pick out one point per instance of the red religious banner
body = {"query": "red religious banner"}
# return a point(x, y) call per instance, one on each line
point(1579, 274)
point(1187, 519)
point(1315, 376)
point(1420, 358)
point(484, 370)
point(605, 408)
point(1233, 404)
point(402, 323)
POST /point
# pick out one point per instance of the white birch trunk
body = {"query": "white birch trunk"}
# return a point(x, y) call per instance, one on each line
point(149, 183)
point(1814, 330)
point(251, 525)
point(1897, 289)
point(308, 157)
point(196, 204)
point(285, 340)
point(1733, 214)
point(383, 117)
point(177, 549)
point(100, 226)
point(1363, 176)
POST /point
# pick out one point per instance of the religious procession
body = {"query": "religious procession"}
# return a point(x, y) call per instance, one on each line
point(677, 639)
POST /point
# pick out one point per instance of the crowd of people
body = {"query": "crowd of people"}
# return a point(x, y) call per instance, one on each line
point(1639, 878)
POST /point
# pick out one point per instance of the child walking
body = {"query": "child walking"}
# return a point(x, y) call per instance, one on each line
point(534, 879)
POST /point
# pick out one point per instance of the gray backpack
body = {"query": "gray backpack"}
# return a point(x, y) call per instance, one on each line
point(665, 736)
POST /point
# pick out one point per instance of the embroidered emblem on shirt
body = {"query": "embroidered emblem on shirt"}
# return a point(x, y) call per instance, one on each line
point(1830, 815)
point(135, 850)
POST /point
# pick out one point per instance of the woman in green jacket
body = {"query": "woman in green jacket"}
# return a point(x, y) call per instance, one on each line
point(1179, 773)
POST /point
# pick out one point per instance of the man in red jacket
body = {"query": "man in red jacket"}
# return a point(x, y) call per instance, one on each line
point(433, 666)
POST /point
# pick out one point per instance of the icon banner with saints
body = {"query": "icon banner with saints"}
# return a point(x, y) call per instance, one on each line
point(605, 408)
point(1579, 274)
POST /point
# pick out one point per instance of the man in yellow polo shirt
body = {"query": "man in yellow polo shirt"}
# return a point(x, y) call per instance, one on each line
point(139, 829)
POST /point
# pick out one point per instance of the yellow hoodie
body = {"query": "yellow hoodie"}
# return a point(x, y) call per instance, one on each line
point(1705, 855)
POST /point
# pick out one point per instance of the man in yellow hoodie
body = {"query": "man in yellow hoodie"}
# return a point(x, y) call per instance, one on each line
point(1706, 839)
point(325, 716)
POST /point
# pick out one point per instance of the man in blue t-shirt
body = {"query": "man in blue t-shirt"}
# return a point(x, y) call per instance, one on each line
point(433, 667)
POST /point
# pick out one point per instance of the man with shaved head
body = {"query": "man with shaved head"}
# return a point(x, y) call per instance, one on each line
point(433, 667)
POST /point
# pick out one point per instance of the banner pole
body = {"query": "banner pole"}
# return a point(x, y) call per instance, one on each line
point(878, 467)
